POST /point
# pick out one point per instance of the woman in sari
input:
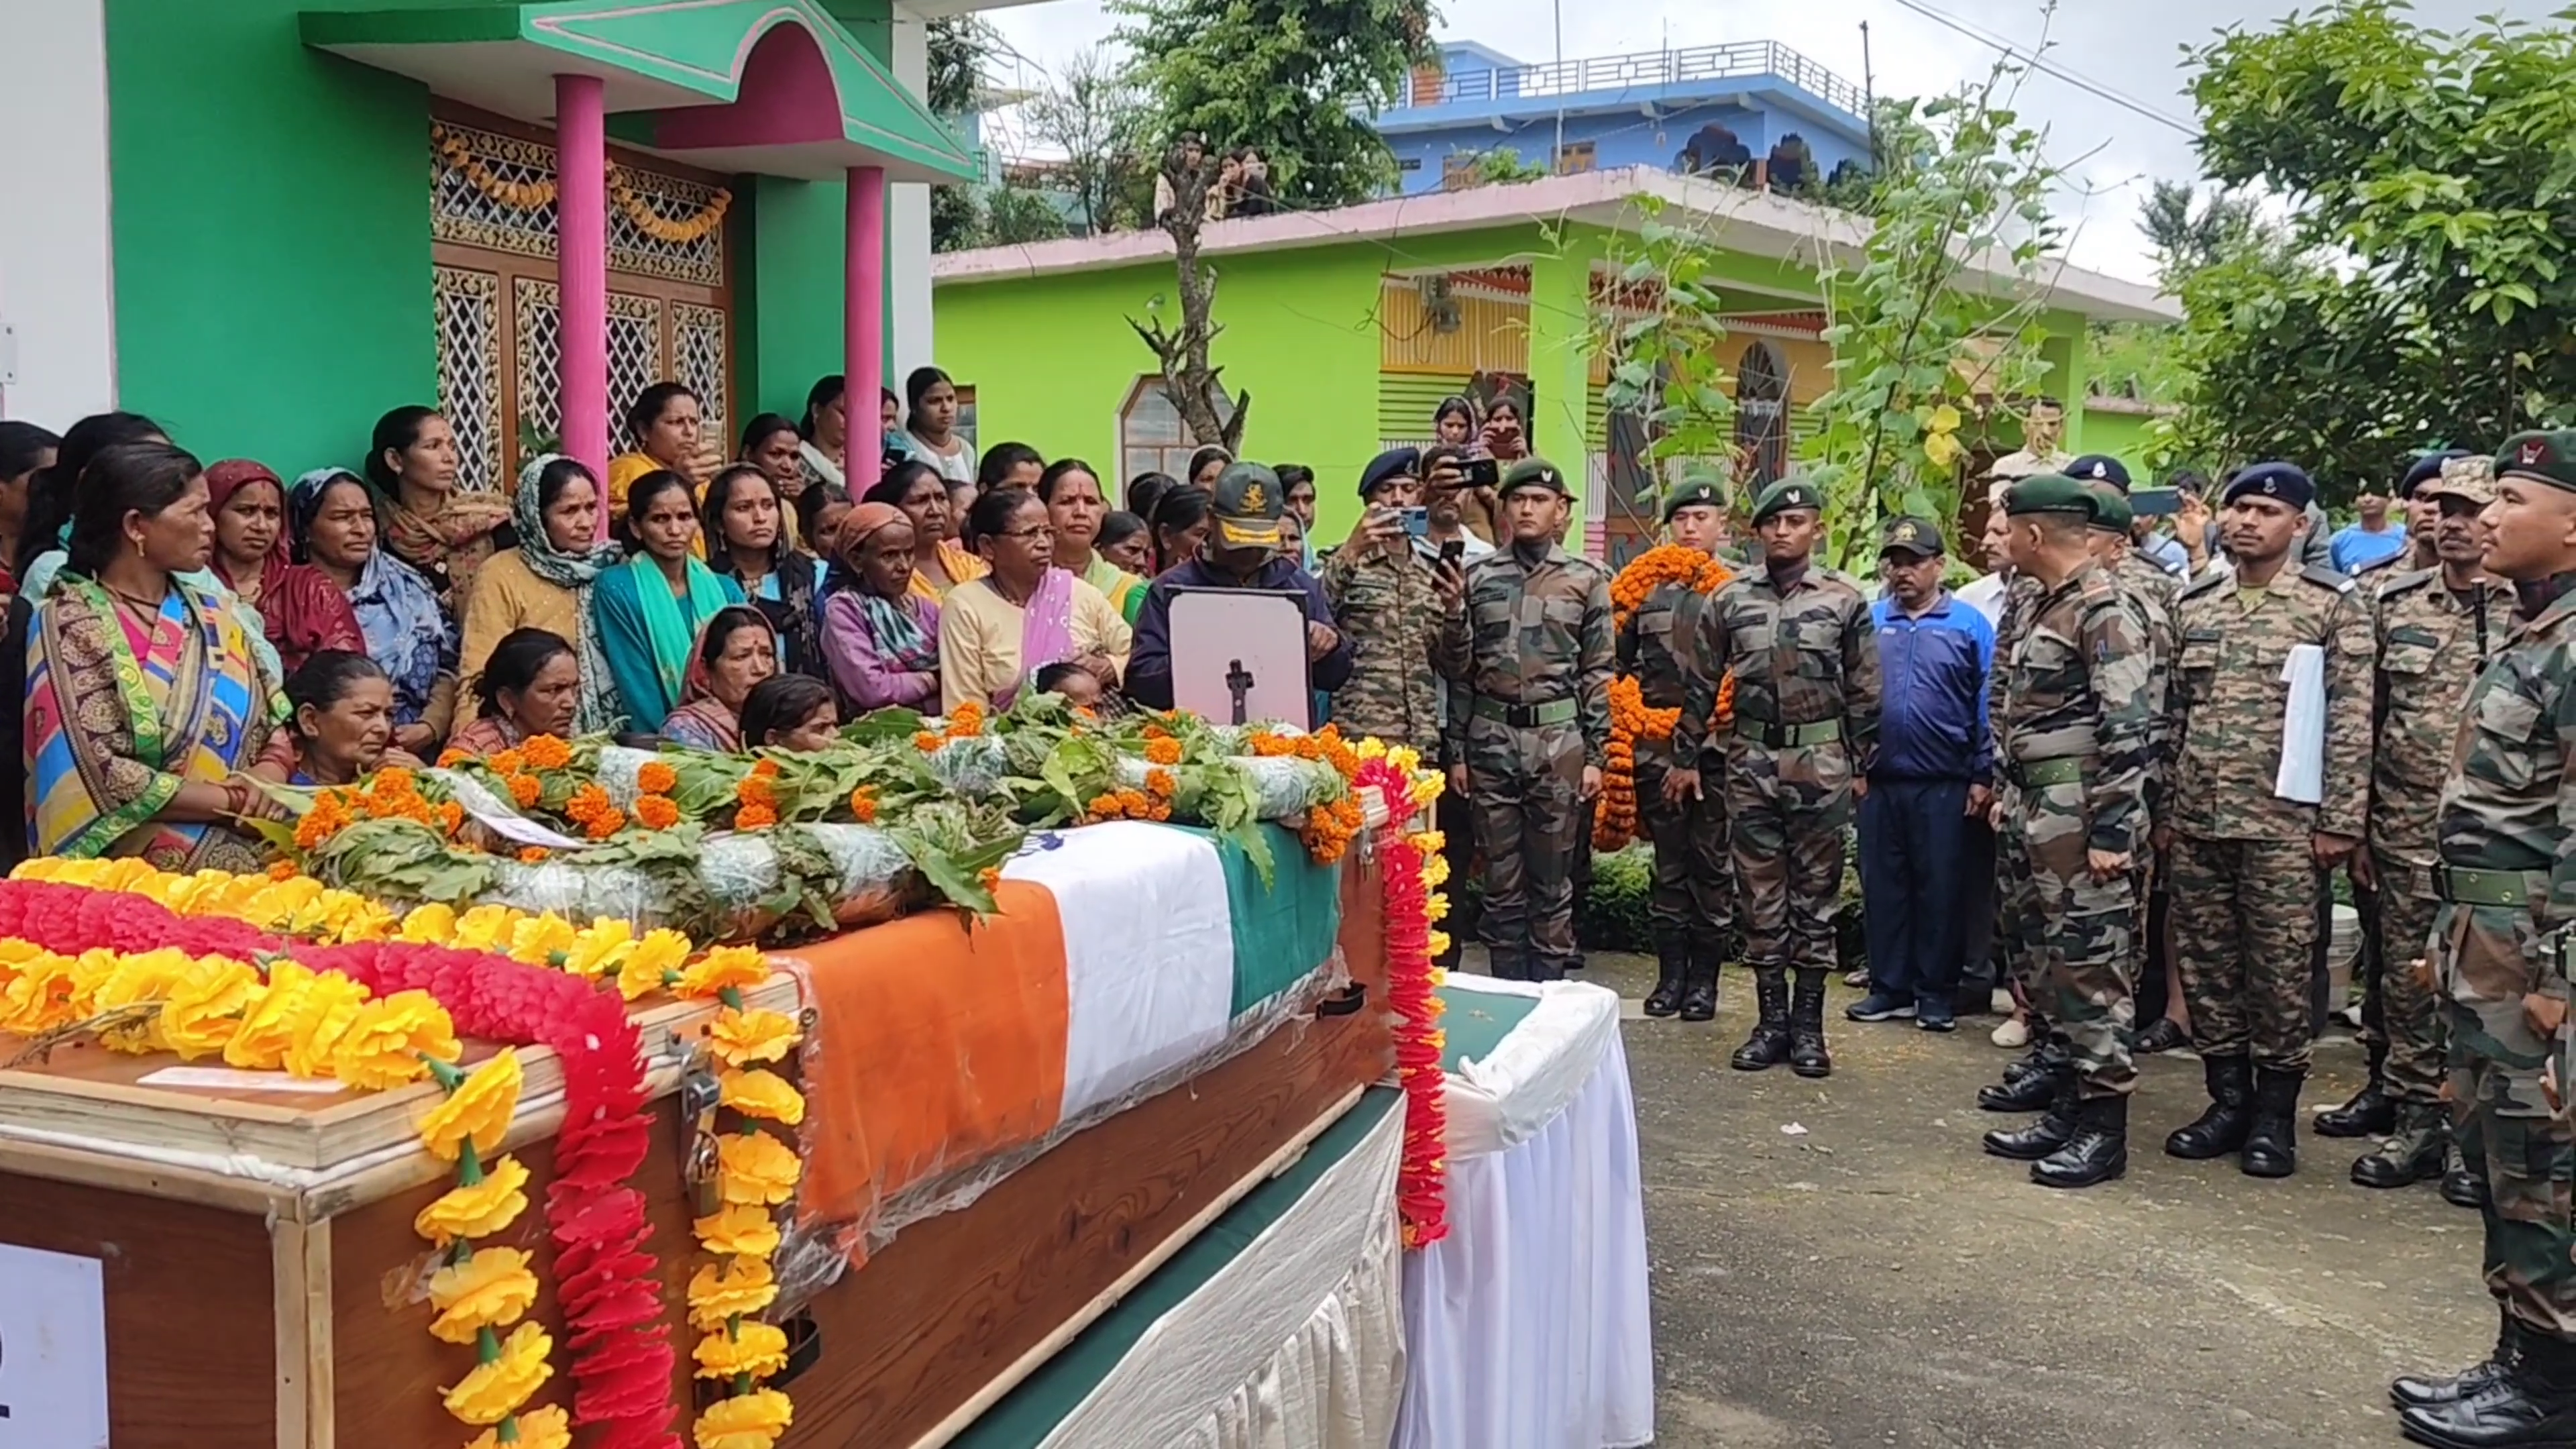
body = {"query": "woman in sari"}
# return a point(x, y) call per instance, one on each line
point(745, 523)
point(299, 610)
point(1075, 507)
point(531, 685)
point(332, 520)
point(825, 427)
point(734, 653)
point(144, 700)
point(669, 430)
point(339, 724)
point(545, 582)
point(994, 633)
point(648, 610)
point(933, 436)
point(791, 712)
point(939, 563)
point(881, 638)
point(444, 535)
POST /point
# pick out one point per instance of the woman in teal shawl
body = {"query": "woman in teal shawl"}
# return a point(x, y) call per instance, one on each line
point(647, 611)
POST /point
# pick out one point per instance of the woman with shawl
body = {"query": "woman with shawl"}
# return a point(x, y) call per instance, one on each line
point(880, 638)
point(1075, 508)
point(743, 522)
point(443, 534)
point(940, 563)
point(648, 610)
point(998, 631)
point(331, 518)
point(545, 582)
point(299, 610)
point(144, 700)
point(732, 655)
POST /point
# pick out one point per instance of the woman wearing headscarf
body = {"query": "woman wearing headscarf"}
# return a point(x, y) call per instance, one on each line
point(649, 609)
point(144, 702)
point(545, 582)
point(299, 610)
point(443, 534)
point(731, 656)
point(331, 518)
point(879, 636)
point(940, 563)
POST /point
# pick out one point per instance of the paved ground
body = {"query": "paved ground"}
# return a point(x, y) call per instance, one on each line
point(1877, 1280)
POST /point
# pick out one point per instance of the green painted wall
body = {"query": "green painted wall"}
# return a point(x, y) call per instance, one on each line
point(271, 225)
point(1052, 359)
point(2122, 435)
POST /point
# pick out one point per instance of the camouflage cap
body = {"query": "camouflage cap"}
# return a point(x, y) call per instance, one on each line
point(2542, 457)
point(2470, 476)
point(1790, 492)
point(1916, 536)
point(2049, 493)
point(1698, 490)
point(1247, 506)
point(1535, 473)
point(2111, 511)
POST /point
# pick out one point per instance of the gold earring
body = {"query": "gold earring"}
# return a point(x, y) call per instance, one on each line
point(138, 548)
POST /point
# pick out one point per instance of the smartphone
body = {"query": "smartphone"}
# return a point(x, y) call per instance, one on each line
point(1484, 473)
point(1417, 521)
point(1454, 553)
point(2155, 502)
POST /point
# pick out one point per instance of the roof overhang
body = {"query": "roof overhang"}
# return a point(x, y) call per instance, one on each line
point(1756, 223)
point(771, 86)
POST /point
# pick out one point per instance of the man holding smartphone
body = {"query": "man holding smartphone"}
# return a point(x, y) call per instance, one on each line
point(1387, 604)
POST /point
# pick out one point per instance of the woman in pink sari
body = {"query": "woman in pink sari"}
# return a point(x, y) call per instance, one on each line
point(1026, 614)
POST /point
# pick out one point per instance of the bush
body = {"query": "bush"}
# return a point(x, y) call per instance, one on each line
point(1610, 917)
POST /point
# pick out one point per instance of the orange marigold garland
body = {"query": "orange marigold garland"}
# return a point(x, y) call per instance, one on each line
point(1632, 719)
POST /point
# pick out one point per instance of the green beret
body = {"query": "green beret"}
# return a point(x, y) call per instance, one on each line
point(2111, 512)
point(1790, 492)
point(2542, 457)
point(1699, 489)
point(1535, 473)
point(2050, 493)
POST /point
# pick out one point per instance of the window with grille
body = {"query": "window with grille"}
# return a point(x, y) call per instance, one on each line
point(1460, 170)
point(1762, 415)
point(494, 297)
point(1573, 156)
point(1151, 436)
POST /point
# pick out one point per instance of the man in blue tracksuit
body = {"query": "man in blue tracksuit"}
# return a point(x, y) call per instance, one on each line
point(1933, 748)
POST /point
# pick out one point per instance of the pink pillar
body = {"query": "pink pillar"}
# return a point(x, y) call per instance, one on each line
point(863, 323)
point(581, 247)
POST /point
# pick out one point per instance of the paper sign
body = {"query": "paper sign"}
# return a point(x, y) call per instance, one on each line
point(226, 1079)
point(499, 818)
point(53, 1351)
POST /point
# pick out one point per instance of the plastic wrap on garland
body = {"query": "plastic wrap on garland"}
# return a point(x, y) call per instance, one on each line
point(739, 872)
point(1284, 786)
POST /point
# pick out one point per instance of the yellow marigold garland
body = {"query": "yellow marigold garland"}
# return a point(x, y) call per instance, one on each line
point(475, 1293)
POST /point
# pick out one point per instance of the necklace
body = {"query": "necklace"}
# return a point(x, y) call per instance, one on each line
point(145, 607)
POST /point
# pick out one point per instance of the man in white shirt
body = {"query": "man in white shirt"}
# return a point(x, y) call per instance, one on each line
point(1986, 594)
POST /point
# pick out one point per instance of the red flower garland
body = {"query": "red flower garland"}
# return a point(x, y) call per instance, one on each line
point(622, 1357)
point(1421, 1189)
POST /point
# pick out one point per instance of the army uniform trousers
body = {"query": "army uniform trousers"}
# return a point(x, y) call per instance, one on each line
point(1525, 784)
point(2074, 942)
point(1694, 892)
point(2501, 1119)
point(1786, 809)
point(2249, 929)
point(2400, 1010)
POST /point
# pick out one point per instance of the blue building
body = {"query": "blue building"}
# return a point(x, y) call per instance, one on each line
point(1755, 108)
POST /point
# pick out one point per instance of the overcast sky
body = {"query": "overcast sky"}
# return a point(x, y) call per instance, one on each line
point(2131, 48)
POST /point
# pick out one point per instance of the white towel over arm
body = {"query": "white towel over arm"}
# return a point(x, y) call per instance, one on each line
point(2302, 776)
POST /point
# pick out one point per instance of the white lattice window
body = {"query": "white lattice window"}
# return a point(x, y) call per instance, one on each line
point(469, 369)
point(698, 355)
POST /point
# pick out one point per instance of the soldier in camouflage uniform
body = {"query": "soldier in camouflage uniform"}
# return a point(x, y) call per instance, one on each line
point(1386, 601)
point(1525, 645)
point(2507, 882)
point(2154, 592)
point(1680, 803)
point(1799, 641)
point(2249, 867)
point(2434, 630)
point(2074, 728)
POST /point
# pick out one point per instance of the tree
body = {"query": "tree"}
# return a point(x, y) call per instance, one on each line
point(1193, 383)
point(955, 50)
point(2425, 289)
point(1016, 214)
point(2186, 240)
point(1297, 80)
point(1097, 117)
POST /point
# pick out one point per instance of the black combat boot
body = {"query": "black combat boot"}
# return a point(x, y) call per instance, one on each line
point(2272, 1143)
point(2055, 1127)
point(2029, 1085)
point(1768, 1046)
point(1672, 963)
point(2462, 1188)
point(1807, 1054)
point(2414, 1154)
point(2529, 1404)
point(2221, 1129)
point(2034, 1060)
point(2411, 1392)
point(2097, 1153)
point(1699, 981)
point(2371, 1112)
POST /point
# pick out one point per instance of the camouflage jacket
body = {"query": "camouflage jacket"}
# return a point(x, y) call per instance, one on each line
point(1530, 634)
point(1389, 608)
point(1659, 648)
point(1803, 657)
point(2230, 697)
point(2075, 683)
point(2429, 649)
point(2507, 804)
